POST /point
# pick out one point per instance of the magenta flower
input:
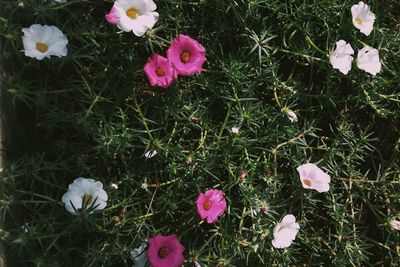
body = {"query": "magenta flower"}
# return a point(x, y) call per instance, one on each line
point(211, 204)
point(111, 17)
point(187, 55)
point(165, 251)
point(159, 71)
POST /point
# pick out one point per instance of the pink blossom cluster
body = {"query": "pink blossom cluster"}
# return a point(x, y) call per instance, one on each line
point(185, 56)
point(167, 251)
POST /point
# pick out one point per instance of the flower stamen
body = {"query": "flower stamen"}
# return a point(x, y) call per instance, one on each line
point(185, 56)
point(132, 13)
point(307, 182)
point(41, 47)
point(163, 252)
point(207, 205)
point(160, 72)
point(87, 200)
point(358, 21)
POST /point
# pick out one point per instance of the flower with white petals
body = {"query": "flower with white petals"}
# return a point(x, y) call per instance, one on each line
point(135, 16)
point(394, 224)
point(285, 232)
point(44, 41)
point(290, 114)
point(235, 130)
point(85, 194)
point(363, 18)
point(138, 256)
point(312, 177)
point(342, 57)
point(368, 60)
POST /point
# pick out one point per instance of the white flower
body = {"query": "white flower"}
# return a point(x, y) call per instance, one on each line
point(368, 60)
point(138, 256)
point(151, 153)
point(290, 114)
point(342, 57)
point(313, 177)
point(85, 194)
point(137, 16)
point(394, 224)
point(363, 18)
point(44, 41)
point(285, 232)
point(235, 130)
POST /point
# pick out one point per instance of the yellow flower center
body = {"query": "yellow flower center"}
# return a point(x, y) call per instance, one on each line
point(132, 13)
point(207, 205)
point(42, 47)
point(358, 21)
point(307, 182)
point(87, 200)
point(163, 252)
point(160, 72)
point(185, 56)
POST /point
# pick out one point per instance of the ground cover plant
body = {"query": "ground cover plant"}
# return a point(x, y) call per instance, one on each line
point(280, 147)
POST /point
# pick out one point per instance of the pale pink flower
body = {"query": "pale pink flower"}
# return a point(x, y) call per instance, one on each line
point(159, 71)
point(363, 18)
point(211, 204)
point(165, 251)
point(312, 177)
point(342, 57)
point(111, 17)
point(368, 60)
point(285, 232)
point(394, 224)
point(186, 55)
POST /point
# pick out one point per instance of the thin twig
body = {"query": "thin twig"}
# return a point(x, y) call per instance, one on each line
point(290, 141)
point(368, 181)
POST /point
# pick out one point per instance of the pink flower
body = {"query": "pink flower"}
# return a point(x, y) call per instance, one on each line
point(187, 55)
point(165, 251)
point(211, 204)
point(111, 17)
point(159, 71)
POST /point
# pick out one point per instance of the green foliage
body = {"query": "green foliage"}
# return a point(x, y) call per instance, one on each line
point(93, 114)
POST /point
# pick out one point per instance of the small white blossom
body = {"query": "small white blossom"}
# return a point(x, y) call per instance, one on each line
point(363, 18)
point(394, 224)
point(138, 256)
point(342, 57)
point(115, 186)
point(85, 194)
point(44, 41)
point(368, 60)
point(151, 153)
point(290, 114)
point(312, 177)
point(285, 232)
point(235, 130)
point(145, 186)
point(135, 16)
